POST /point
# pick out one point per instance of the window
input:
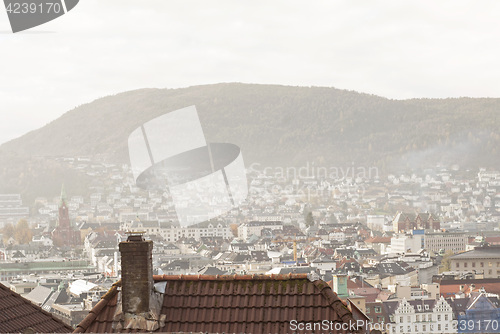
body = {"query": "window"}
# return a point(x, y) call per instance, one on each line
point(465, 265)
point(481, 264)
point(457, 265)
point(473, 264)
point(446, 317)
point(377, 309)
point(439, 317)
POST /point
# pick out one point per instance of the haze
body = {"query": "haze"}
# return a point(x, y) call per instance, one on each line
point(390, 48)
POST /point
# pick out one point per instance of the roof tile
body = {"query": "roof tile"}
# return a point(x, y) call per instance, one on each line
point(18, 314)
point(232, 304)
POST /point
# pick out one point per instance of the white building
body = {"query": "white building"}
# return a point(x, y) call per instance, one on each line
point(376, 222)
point(173, 233)
point(407, 243)
point(423, 316)
point(245, 230)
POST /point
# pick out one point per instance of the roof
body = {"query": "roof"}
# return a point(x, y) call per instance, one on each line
point(18, 314)
point(39, 295)
point(378, 239)
point(233, 304)
point(492, 252)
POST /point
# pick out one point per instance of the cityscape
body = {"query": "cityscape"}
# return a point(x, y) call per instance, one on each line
point(411, 252)
point(250, 167)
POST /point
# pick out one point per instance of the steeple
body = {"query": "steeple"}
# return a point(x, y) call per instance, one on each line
point(63, 196)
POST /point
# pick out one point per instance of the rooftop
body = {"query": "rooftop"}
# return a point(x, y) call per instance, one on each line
point(232, 304)
point(491, 252)
point(18, 314)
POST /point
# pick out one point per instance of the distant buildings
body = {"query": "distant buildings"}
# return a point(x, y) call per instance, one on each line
point(12, 209)
point(423, 316)
point(410, 221)
point(171, 233)
point(485, 260)
point(437, 241)
point(245, 230)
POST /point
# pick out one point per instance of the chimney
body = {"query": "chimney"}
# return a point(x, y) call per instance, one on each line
point(137, 274)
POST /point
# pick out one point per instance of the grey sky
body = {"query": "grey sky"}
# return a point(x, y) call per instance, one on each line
point(397, 49)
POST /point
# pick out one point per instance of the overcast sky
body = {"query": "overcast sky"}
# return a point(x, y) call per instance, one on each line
point(396, 49)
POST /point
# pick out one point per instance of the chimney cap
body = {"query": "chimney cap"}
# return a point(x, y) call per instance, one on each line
point(135, 235)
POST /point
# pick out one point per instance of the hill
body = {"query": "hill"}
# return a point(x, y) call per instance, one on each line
point(283, 126)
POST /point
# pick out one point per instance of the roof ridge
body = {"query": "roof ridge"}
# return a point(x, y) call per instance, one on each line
point(235, 277)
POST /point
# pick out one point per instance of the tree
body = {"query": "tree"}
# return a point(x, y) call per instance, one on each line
point(234, 229)
point(309, 219)
point(446, 261)
point(8, 231)
point(22, 232)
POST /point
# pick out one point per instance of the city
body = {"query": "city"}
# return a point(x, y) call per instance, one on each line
point(426, 244)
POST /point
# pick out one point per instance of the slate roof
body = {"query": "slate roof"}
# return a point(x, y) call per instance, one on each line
point(39, 295)
point(233, 304)
point(18, 314)
point(210, 271)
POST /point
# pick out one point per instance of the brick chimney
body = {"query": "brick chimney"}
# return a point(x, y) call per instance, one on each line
point(137, 274)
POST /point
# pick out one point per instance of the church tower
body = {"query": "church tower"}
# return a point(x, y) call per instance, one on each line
point(64, 234)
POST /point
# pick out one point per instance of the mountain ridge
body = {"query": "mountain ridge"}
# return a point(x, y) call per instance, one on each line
point(279, 125)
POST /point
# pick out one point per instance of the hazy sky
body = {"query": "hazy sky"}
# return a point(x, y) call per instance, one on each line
point(397, 49)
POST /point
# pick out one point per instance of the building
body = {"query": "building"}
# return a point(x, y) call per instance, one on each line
point(408, 243)
point(423, 316)
point(172, 233)
point(437, 241)
point(376, 222)
point(482, 260)
point(64, 234)
point(404, 222)
point(12, 209)
point(215, 304)
point(480, 316)
point(245, 230)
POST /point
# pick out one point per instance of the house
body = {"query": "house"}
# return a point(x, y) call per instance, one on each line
point(144, 302)
point(410, 221)
point(18, 315)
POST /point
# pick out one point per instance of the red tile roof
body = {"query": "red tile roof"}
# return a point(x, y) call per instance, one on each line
point(233, 304)
point(18, 314)
point(378, 239)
